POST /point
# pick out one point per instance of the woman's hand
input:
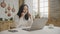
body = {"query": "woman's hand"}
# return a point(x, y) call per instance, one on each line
point(22, 15)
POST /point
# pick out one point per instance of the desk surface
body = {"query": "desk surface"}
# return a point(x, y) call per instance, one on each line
point(45, 30)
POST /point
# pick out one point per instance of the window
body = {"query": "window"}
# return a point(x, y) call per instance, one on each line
point(35, 5)
point(43, 7)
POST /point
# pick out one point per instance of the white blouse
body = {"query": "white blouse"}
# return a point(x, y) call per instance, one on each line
point(22, 22)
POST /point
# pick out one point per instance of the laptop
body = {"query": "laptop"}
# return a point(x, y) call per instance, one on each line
point(37, 24)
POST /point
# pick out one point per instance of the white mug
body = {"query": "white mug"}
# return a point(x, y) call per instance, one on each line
point(51, 26)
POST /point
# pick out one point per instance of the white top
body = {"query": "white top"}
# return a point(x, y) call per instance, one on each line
point(22, 22)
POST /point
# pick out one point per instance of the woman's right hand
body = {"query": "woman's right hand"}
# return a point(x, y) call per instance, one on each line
point(22, 14)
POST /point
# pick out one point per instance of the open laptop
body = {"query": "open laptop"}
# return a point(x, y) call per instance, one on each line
point(37, 24)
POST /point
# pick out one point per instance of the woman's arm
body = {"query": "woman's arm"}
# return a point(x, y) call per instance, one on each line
point(30, 15)
point(30, 20)
point(16, 20)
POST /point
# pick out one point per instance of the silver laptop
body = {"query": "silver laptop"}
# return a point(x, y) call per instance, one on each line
point(37, 24)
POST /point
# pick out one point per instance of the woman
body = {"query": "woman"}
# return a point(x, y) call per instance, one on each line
point(23, 17)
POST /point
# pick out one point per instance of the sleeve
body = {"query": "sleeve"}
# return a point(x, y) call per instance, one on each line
point(30, 21)
point(16, 20)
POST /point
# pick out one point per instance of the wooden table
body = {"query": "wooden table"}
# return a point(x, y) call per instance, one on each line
point(5, 25)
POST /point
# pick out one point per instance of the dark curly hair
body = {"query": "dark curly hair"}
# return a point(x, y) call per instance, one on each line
point(21, 10)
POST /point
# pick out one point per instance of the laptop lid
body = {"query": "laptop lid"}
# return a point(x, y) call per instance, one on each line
point(39, 23)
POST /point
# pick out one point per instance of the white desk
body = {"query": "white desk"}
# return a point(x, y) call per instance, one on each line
point(45, 30)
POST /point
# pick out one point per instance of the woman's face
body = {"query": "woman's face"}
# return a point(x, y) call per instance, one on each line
point(25, 10)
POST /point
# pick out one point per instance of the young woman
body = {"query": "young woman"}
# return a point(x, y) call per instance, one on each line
point(23, 17)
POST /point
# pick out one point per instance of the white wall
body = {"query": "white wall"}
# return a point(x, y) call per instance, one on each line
point(11, 2)
point(55, 9)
